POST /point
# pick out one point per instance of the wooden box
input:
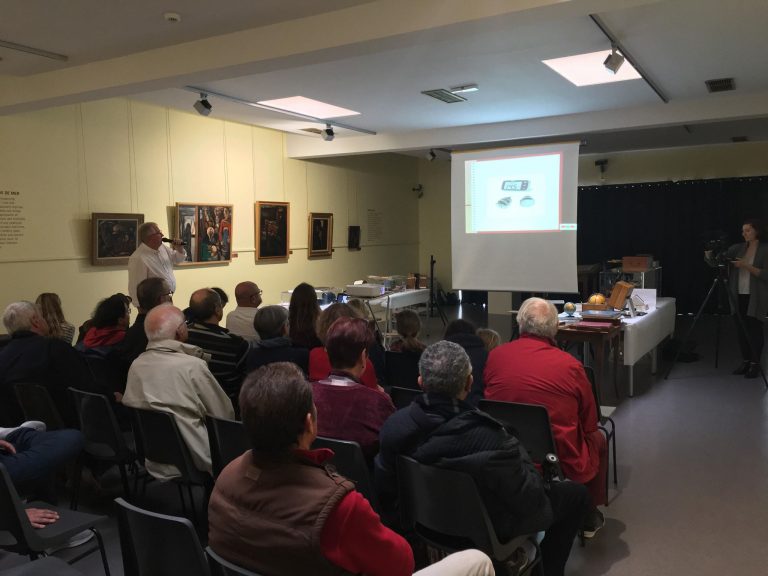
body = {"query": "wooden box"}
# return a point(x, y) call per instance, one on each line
point(636, 263)
point(619, 294)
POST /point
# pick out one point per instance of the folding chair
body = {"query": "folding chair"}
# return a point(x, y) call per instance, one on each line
point(528, 422)
point(402, 369)
point(349, 461)
point(36, 404)
point(402, 397)
point(33, 542)
point(228, 441)
point(603, 422)
point(158, 544)
point(221, 567)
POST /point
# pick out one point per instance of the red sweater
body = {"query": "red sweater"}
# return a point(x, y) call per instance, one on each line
point(531, 370)
point(320, 368)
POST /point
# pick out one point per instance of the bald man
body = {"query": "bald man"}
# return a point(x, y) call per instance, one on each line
point(240, 320)
point(152, 259)
point(228, 351)
point(171, 376)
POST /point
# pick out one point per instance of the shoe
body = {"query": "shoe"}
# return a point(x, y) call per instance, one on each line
point(521, 559)
point(592, 524)
point(33, 424)
point(77, 540)
point(753, 371)
point(742, 369)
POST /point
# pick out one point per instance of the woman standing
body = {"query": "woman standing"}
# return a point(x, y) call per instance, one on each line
point(749, 285)
point(49, 305)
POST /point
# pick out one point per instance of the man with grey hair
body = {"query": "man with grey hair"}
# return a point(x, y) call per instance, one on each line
point(171, 376)
point(31, 356)
point(440, 428)
point(533, 370)
point(152, 259)
point(271, 322)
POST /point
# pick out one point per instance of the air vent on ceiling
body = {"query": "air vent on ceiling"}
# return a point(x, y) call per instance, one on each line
point(720, 84)
point(312, 130)
point(444, 95)
point(739, 139)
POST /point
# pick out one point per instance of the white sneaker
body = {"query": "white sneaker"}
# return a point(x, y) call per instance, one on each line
point(77, 540)
point(34, 424)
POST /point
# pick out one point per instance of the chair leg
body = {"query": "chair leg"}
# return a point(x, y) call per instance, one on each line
point(124, 478)
point(102, 550)
point(78, 475)
point(615, 462)
point(192, 504)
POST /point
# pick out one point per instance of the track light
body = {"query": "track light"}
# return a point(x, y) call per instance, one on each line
point(328, 134)
point(614, 60)
point(202, 106)
point(431, 156)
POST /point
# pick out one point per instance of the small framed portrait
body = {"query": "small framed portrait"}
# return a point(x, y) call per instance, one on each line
point(115, 237)
point(320, 235)
point(206, 230)
point(272, 230)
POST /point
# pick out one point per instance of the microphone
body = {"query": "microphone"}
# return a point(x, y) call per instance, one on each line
point(175, 242)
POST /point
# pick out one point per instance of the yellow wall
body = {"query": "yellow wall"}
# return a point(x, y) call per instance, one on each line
point(122, 156)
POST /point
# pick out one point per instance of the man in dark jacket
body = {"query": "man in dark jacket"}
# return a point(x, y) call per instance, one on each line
point(440, 428)
point(32, 357)
point(271, 323)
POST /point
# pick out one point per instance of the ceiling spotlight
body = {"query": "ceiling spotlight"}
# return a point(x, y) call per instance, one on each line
point(328, 134)
point(431, 156)
point(202, 106)
point(465, 88)
point(614, 60)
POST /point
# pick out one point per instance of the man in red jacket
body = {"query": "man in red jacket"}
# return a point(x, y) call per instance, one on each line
point(533, 370)
point(278, 509)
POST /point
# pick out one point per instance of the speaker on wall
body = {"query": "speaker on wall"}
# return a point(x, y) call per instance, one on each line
point(353, 238)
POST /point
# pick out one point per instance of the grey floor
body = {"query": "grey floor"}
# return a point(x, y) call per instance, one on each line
point(692, 496)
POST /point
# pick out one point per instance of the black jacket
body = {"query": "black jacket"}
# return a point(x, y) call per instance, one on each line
point(475, 349)
point(277, 350)
point(451, 434)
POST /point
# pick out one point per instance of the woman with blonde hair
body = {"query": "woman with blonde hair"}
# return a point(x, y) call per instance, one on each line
point(49, 305)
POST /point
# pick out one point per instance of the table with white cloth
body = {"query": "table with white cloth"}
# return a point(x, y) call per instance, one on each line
point(643, 334)
point(395, 301)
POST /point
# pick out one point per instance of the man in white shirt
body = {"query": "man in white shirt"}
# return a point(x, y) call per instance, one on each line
point(240, 320)
point(152, 259)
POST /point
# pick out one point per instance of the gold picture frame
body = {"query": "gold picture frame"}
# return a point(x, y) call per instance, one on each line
point(273, 230)
point(320, 241)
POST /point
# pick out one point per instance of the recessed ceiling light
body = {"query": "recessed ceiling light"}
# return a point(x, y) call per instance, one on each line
point(309, 107)
point(588, 69)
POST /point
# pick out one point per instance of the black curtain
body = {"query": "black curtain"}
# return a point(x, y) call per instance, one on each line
point(672, 221)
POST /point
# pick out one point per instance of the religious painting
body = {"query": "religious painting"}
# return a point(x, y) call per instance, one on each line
point(272, 230)
point(115, 237)
point(320, 235)
point(206, 230)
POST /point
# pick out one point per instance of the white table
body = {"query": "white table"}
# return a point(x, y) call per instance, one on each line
point(643, 334)
point(395, 301)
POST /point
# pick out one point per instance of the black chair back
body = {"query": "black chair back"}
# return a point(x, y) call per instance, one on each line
point(36, 404)
point(157, 544)
point(103, 437)
point(528, 422)
point(349, 461)
point(228, 441)
point(162, 443)
point(445, 509)
point(13, 517)
point(402, 397)
point(221, 567)
point(402, 369)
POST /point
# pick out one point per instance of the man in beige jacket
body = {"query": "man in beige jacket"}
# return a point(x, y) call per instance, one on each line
point(171, 376)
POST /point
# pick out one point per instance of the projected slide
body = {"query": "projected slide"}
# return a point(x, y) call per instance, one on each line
point(519, 194)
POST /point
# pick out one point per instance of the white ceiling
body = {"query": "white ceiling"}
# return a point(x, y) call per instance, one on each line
point(376, 57)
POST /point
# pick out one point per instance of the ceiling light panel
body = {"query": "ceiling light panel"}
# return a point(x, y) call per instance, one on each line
point(588, 69)
point(309, 107)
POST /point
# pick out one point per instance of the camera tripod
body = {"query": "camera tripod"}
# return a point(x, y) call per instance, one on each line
point(434, 302)
point(719, 287)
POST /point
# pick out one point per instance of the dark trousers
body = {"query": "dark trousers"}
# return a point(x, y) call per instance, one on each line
point(570, 503)
point(754, 333)
point(39, 455)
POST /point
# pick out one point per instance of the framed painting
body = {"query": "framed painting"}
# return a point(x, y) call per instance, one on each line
point(272, 230)
point(206, 230)
point(320, 235)
point(115, 237)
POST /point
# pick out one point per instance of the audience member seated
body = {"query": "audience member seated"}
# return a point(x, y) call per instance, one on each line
point(319, 364)
point(408, 326)
point(278, 509)
point(347, 409)
point(228, 351)
point(108, 325)
point(439, 428)
point(86, 326)
point(171, 376)
point(490, 338)
point(463, 333)
point(32, 456)
point(302, 317)
point(240, 320)
point(271, 322)
point(151, 292)
point(533, 370)
point(32, 357)
point(49, 305)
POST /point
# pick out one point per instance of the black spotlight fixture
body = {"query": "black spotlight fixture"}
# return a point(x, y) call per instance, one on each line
point(431, 156)
point(614, 60)
point(202, 106)
point(328, 134)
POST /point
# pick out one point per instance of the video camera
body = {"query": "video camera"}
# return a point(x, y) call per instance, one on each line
point(715, 248)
